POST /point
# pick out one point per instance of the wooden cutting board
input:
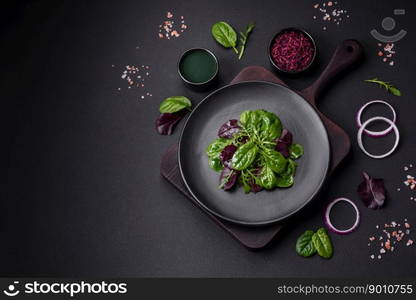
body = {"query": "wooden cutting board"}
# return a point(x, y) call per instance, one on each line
point(346, 54)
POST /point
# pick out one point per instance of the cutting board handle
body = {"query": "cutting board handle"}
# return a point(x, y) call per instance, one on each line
point(345, 55)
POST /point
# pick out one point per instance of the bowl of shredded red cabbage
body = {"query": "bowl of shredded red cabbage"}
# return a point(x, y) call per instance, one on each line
point(292, 50)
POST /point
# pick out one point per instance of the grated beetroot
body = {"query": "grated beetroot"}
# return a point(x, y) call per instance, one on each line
point(292, 51)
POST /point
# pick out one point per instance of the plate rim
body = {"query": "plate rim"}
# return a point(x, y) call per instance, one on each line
point(255, 223)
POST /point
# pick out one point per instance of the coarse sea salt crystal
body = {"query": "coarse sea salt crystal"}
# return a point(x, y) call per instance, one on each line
point(372, 256)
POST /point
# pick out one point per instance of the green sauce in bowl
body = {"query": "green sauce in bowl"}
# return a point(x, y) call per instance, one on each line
point(198, 66)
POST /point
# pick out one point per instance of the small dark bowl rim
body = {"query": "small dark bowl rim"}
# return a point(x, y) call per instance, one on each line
point(291, 29)
point(198, 83)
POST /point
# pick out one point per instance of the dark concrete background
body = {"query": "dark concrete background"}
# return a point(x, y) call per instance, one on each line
point(83, 195)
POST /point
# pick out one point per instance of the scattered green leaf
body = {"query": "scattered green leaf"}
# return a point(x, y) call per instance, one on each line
point(388, 86)
point(322, 243)
point(224, 34)
point(174, 104)
point(304, 244)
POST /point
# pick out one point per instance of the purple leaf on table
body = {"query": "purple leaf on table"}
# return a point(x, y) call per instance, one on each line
point(167, 121)
point(372, 191)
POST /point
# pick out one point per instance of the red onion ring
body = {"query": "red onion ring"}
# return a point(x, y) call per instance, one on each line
point(328, 219)
point(375, 133)
point(369, 121)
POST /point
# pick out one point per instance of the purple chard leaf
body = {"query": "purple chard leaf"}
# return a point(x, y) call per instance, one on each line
point(255, 188)
point(166, 121)
point(283, 143)
point(372, 191)
point(227, 154)
point(228, 178)
point(228, 129)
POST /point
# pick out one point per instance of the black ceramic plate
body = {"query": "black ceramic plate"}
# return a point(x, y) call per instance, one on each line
point(265, 207)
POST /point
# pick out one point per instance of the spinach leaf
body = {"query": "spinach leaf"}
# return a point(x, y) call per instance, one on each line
point(275, 160)
point(244, 156)
point(174, 104)
point(251, 121)
point(224, 34)
point(287, 178)
point(270, 127)
point(245, 116)
point(215, 164)
point(304, 244)
point(285, 181)
point(322, 243)
point(296, 151)
point(291, 167)
point(267, 178)
point(214, 149)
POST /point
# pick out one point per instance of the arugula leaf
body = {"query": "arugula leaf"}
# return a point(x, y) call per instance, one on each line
point(174, 104)
point(244, 37)
point(388, 86)
point(224, 34)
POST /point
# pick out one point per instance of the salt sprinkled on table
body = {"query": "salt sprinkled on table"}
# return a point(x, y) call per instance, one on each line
point(136, 76)
point(172, 27)
point(330, 12)
point(390, 236)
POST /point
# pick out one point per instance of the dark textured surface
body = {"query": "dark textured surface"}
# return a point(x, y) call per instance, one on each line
point(83, 194)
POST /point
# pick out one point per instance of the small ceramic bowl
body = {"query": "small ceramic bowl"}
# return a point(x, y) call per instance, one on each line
point(272, 41)
point(193, 67)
